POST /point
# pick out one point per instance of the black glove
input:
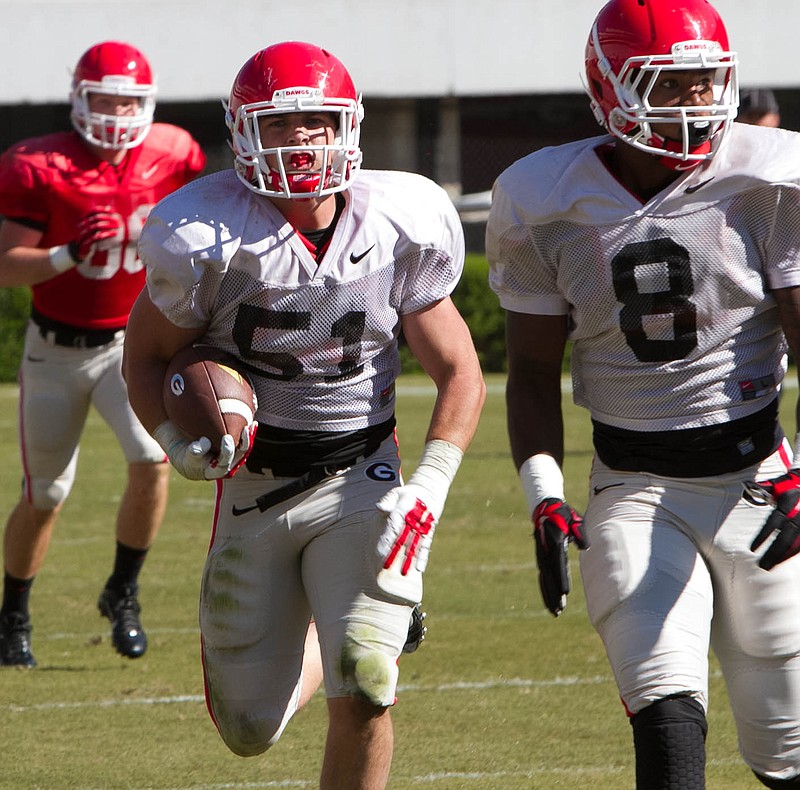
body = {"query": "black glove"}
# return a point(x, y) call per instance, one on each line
point(784, 493)
point(416, 629)
point(555, 525)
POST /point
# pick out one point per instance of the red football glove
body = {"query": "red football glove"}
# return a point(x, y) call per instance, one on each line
point(555, 525)
point(784, 494)
point(99, 230)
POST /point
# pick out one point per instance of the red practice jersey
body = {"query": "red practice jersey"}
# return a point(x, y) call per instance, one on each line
point(51, 182)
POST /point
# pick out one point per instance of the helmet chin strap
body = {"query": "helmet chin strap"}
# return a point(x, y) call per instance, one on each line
point(699, 143)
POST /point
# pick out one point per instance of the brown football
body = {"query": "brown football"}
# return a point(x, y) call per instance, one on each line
point(207, 394)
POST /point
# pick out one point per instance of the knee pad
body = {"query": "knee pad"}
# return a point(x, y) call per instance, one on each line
point(372, 676)
point(248, 732)
point(779, 784)
point(250, 726)
point(669, 740)
point(46, 494)
point(251, 738)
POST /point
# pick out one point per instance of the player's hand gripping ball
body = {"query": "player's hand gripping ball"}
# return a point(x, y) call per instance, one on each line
point(783, 493)
point(206, 394)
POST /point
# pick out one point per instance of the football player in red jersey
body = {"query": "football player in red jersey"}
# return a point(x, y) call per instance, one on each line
point(667, 252)
point(73, 205)
point(307, 268)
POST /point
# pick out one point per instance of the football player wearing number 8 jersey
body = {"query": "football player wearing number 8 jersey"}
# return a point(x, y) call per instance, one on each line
point(667, 252)
point(307, 268)
point(73, 204)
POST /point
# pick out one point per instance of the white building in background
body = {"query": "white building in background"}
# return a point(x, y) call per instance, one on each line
point(437, 75)
point(393, 48)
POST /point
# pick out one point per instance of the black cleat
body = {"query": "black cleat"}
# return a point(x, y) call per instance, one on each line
point(416, 629)
point(122, 609)
point(15, 641)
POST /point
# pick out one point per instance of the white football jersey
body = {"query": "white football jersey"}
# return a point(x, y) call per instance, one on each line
point(669, 305)
point(321, 338)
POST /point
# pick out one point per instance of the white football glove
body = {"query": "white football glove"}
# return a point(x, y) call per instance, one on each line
point(240, 451)
point(194, 459)
point(410, 525)
point(413, 511)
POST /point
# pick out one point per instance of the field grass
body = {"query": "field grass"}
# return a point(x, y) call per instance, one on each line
point(500, 697)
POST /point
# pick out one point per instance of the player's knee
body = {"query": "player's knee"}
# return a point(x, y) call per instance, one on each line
point(48, 494)
point(779, 784)
point(150, 454)
point(246, 736)
point(669, 740)
point(371, 675)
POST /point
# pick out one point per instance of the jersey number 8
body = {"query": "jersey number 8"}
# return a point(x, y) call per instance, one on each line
point(661, 255)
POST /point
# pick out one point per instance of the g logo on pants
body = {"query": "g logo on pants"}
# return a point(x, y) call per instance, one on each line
point(381, 472)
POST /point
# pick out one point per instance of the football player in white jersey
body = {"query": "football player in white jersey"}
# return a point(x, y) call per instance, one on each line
point(668, 253)
point(307, 268)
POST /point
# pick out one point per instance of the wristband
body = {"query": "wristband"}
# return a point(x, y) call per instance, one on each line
point(541, 478)
point(796, 458)
point(168, 436)
point(440, 459)
point(61, 258)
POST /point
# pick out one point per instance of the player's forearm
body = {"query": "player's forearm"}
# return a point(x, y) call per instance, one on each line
point(151, 341)
point(458, 407)
point(26, 266)
point(535, 422)
point(145, 379)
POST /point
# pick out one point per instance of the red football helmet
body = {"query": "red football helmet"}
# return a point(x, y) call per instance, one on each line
point(113, 67)
point(632, 42)
point(293, 77)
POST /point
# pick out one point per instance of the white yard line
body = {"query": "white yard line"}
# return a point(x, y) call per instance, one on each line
point(182, 699)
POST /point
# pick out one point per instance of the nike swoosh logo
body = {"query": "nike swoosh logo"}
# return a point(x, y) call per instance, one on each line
point(147, 173)
point(240, 511)
point(598, 489)
point(692, 189)
point(356, 258)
